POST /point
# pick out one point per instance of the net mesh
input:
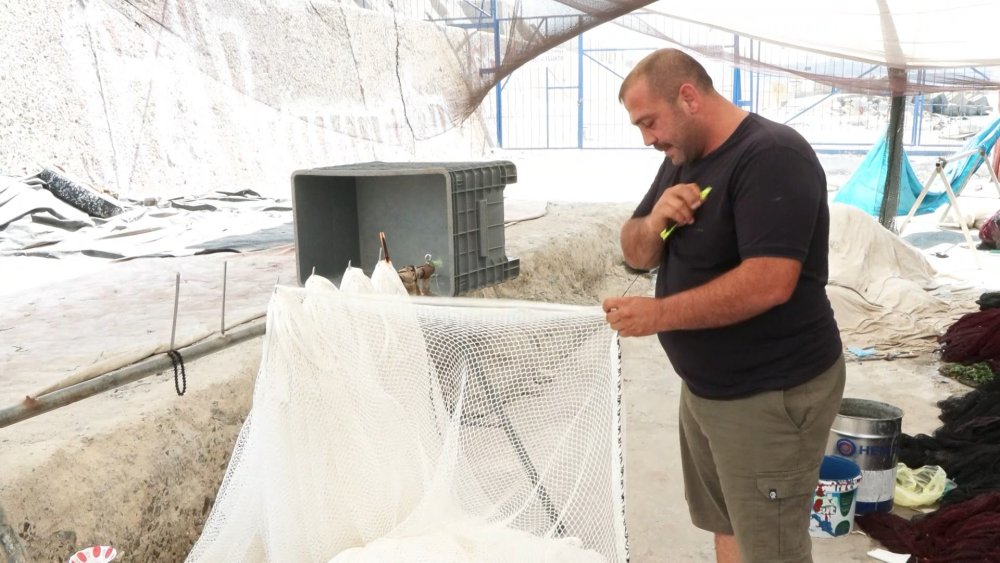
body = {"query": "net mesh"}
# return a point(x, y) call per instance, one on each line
point(501, 36)
point(387, 428)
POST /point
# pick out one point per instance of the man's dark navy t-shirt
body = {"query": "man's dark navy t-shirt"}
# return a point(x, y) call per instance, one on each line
point(768, 198)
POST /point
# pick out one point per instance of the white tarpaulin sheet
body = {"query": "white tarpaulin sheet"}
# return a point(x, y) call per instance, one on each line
point(896, 33)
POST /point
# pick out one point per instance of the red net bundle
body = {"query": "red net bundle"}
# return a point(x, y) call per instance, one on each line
point(973, 338)
point(966, 532)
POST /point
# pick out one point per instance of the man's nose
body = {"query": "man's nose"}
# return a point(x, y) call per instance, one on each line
point(648, 138)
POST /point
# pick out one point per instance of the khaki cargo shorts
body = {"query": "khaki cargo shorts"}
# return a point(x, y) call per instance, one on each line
point(751, 465)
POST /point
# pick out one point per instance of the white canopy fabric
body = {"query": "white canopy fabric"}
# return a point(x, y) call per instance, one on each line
point(905, 34)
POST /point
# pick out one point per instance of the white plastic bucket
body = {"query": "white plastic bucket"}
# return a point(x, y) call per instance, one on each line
point(835, 498)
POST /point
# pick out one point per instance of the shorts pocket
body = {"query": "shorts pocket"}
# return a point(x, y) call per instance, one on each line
point(781, 529)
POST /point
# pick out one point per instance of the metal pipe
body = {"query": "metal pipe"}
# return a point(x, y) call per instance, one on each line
point(579, 91)
point(177, 296)
point(961, 155)
point(31, 407)
point(222, 323)
point(496, 70)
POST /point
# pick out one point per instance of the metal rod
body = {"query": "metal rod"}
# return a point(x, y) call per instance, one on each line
point(122, 376)
point(177, 295)
point(579, 91)
point(960, 155)
point(522, 455)
point(938, 171)
point(496, 70)
point(824, 98)
point(385, 247)
point(631, 282)
point(222, 325)
point(961, 223)
point(602, 65)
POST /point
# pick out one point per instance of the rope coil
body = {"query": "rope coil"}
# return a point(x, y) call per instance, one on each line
point(176, 359)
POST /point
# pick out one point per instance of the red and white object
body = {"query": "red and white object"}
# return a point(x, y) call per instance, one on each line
point(95, 554)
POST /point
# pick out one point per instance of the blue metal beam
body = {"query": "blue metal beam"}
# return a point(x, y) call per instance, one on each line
point(483, 25)
point(547, 108)
point(918, 111)
point(579, 101)
point(593, 50)
point(602, 65)
point(479, 9)
point(918, 118)
point(496, 65)
point(756, 95)
point(812, 105)
point(737, 86)
point(826, 97)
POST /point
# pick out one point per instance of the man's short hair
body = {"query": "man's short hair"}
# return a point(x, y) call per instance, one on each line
point(665, 71)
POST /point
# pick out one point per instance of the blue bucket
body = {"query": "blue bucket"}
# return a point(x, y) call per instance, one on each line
point(835, 498)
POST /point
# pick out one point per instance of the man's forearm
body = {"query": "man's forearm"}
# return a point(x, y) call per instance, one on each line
point(641, 244)
point(726, 300)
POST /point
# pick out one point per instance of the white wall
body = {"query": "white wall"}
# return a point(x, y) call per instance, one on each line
point(226, 94)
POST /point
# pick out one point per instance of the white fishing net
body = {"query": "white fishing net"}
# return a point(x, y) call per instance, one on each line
point(396, 429)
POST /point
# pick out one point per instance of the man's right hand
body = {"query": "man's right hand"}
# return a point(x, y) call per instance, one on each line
point(677, 205)
point(642, 243)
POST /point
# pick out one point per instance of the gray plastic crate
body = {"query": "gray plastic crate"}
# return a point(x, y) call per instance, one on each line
point(450, 210)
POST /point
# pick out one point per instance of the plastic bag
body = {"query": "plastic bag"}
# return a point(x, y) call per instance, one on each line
point(920, 487)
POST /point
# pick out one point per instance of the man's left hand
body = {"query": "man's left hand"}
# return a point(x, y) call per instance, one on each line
point(634, 316)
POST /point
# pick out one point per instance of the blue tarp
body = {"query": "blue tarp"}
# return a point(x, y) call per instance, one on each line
point(959, 171)
point(864, 189)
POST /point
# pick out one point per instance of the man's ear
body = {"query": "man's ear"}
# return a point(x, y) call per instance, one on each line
point(688, 98)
